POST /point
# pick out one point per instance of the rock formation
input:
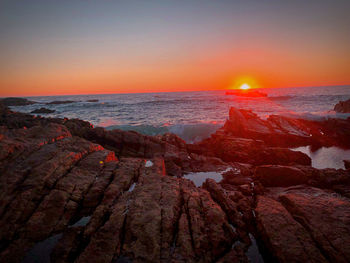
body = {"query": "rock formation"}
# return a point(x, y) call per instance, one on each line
point(119, 196)
point(16, 102)
point(343, 106)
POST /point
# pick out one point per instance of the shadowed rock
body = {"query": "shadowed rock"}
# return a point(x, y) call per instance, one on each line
point(276, 175)
point(16, 102)
point(42, 110)
point(84, 194)
point(287, 132)
point(347, 164)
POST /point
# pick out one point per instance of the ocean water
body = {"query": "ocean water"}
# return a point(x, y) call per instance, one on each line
point(191, 115)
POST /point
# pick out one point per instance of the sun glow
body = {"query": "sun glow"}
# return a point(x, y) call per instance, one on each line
point(244, 86)
point(244, 83)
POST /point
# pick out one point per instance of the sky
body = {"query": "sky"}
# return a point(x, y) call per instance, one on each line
point(91, 47)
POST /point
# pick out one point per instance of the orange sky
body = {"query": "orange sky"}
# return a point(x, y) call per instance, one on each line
point(44, 51)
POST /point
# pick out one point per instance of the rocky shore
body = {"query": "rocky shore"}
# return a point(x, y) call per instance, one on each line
point(74, 193)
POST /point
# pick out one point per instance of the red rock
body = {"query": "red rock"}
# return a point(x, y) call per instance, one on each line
point(286, 239)
point(283, 131)
point(326, 216)
point(232, 149)
point(277, 175)
point(342, 106)
point(53, 173)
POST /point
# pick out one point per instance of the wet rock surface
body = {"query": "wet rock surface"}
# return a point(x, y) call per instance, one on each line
point(280, 131)
point(342, 106)
point(70, 192)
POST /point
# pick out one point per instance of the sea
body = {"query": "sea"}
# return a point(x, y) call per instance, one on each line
point(192, 116)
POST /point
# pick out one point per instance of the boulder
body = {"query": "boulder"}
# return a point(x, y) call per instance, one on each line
point(343, 106)
point(256, 152)
point(239, 174)
point(277, 175)
point(42, 110)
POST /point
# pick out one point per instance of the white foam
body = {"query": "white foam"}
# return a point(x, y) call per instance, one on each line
point(326, 157)
point(149, 164)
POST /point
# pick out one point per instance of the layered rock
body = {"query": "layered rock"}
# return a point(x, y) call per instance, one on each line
point(311, 223)
point(51, 180)
point(116, 196)
point(232, 149)
point(287, 132)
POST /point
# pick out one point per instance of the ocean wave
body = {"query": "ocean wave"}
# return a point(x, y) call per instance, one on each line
point(163, 102)
point(317, 116)
point(286, 97)
point(191, 133)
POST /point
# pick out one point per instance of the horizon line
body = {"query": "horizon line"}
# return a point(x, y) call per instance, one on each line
point(87, 94)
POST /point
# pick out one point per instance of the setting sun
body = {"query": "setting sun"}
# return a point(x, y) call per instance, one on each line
point(244, 86)
point(244, 83)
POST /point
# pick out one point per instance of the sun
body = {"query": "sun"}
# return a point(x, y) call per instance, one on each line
point(244, 86)
point(244, 83)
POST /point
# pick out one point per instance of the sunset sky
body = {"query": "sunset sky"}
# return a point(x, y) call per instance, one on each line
point(88, 47)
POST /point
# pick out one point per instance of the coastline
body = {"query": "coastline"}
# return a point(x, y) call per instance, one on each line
point(55, 171)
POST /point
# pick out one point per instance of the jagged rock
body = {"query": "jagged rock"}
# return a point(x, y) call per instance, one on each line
point(325, 215)
point(42, 110)
point(342, 106)
point(285, 131)
point(106, 196)
point(286, 239)
point(16, 102)
point(42, 183)
point(233, 149)
point(136, 211)
point(347, 164)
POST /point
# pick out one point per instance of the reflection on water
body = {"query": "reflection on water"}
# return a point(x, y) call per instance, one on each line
point(200, 177)
point(253, 252)
point(326, 157)
point(40, 252)
point(82, 222)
